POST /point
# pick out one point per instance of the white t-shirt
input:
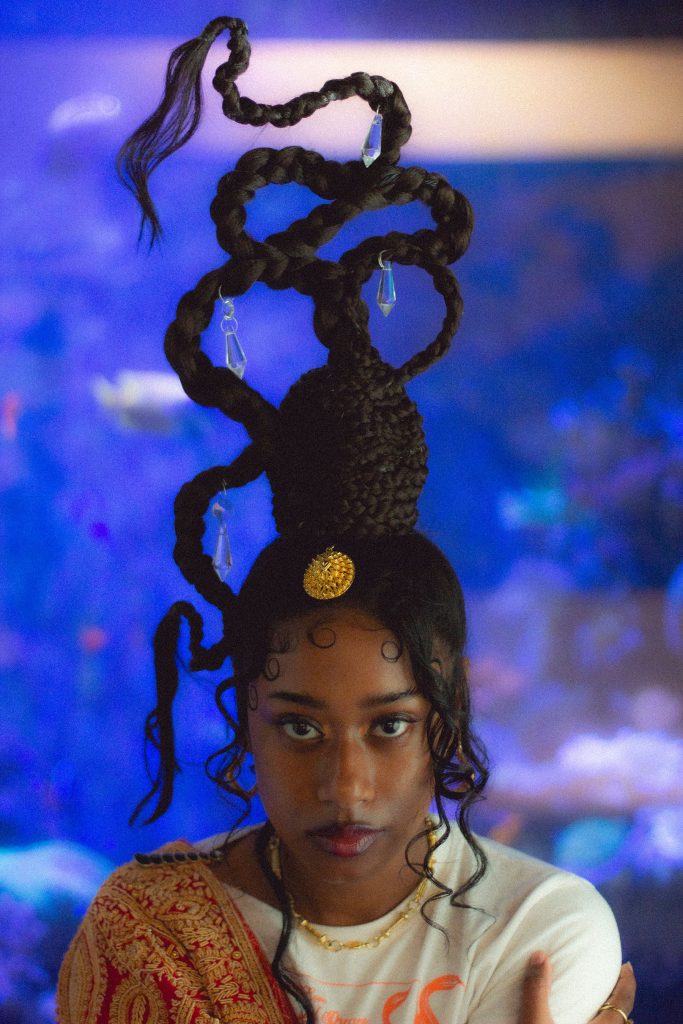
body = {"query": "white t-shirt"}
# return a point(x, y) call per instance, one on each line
point(474, 976)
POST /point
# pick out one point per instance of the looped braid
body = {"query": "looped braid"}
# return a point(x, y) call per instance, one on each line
point(177, 117)
point(345, 453)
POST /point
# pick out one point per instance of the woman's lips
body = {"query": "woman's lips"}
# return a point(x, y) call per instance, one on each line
point(344, 840)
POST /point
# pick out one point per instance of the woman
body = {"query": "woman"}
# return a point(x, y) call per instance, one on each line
point(352, 901)
point(356, 714)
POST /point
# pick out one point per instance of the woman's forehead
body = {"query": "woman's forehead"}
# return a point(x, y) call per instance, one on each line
point(323, 628)
point(347, 650)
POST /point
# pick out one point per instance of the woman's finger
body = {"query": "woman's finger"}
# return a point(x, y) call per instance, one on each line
point(619, 1003)
point(536, 991)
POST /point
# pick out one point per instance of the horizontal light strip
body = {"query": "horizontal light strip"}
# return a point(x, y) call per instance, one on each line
point(469, 100)
point(493, 101)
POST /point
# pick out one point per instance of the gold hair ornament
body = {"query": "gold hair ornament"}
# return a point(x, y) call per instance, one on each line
point(329, 575)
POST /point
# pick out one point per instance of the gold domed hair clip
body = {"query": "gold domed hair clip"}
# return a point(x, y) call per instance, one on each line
point(329, 575)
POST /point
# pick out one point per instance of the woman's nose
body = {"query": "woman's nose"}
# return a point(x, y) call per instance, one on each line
point(346, 776)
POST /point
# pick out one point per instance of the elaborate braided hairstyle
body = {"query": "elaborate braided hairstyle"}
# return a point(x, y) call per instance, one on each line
point(345, 452)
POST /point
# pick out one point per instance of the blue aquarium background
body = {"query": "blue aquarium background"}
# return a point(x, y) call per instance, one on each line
point(555, 428)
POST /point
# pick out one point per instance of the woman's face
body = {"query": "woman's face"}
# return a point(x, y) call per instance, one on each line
point(340, 751)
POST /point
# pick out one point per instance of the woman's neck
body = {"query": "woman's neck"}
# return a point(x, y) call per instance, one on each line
point(348, 902)
point(337, 903)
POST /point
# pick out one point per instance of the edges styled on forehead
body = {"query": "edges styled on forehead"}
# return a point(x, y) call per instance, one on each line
point(322, 630)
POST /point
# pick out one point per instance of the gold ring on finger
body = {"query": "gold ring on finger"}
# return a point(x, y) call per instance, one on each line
point(617, 1009)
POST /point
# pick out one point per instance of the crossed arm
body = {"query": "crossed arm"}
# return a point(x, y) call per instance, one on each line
point(536, 991)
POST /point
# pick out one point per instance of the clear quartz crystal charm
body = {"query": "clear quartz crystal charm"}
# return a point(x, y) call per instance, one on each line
point(386, 291)
point(234, 353)
point(372, 147)
point(222, 556)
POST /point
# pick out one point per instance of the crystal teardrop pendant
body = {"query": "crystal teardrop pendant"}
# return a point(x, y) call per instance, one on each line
point(386, 291)
point(234, 354)
point(222, 556)
point(235, 358)
point(372, 147)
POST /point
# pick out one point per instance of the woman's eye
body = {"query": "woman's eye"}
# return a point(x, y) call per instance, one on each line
point(392, 726)
point(299, 729)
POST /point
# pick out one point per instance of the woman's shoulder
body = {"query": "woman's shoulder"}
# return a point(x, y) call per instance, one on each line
point(504, 864)
point(148, 873)
point(521, 904)
point(516, 886)
point(520, 872)
point(152, 879)
point(530, 896)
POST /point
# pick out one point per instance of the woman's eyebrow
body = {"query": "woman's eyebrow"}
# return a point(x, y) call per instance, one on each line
point(293, 697)
point(388, 698)
point(379, 700)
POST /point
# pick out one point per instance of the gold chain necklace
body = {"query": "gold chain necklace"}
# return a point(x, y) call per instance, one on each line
point(334, 945)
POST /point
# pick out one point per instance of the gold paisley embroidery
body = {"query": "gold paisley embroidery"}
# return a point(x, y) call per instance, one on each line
point(82, 980)
point(133, 1002)
point(185, 1010)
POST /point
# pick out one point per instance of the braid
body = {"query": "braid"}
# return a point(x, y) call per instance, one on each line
point(159, 723)
point(375, 90)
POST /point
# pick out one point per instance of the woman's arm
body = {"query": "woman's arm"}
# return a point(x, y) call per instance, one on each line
point(560, 914)
point(535, 1008)
point(103, 982)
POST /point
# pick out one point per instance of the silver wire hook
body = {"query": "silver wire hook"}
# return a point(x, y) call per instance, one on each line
point(228, 304)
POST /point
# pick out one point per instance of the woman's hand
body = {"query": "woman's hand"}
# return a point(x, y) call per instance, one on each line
point(536, 992)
